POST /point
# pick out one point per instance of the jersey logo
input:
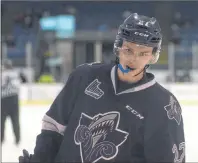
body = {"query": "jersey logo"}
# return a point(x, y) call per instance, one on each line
point(141, 34)
point(93, 89)
point(133, 111)
point(99, 136)
point(173, 110)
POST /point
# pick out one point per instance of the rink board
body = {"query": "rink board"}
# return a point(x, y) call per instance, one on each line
point(44, 94)
point(49, 102)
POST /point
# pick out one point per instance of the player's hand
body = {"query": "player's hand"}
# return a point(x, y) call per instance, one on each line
point(25, 158)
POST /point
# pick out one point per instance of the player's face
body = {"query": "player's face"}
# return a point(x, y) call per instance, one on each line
point(134, 55)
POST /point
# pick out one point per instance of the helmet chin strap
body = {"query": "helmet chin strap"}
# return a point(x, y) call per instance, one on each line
point(128, 69)
point(144, 69)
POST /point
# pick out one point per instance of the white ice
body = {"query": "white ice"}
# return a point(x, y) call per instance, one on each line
point(31, 125)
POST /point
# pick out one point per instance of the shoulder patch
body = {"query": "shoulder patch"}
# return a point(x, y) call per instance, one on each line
point(173, 110)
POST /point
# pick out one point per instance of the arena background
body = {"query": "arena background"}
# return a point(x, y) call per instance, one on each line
point(46, 40)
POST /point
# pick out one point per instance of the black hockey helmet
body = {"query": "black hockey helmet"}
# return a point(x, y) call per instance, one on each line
point(142, 30)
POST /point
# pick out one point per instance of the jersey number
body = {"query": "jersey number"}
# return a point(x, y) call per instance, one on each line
point(176, 152)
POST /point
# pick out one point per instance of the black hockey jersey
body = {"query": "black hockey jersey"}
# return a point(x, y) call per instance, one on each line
point(91, 121)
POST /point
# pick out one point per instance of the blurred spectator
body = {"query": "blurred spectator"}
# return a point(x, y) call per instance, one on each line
point(37, 13)
point(175, 28)
point(42, 55)
point(70, 10)
point(187, 24)
point(18, 19)
point(10, 41)
point(28, 21)
point(46, 14)
point(28, 18)
point(177, 19)
point(176, 35)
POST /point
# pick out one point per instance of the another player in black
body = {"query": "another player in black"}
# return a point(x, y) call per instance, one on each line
point(115, 112)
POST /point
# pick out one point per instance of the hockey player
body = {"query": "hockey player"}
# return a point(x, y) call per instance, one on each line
point(115, 112)
point(9, 99)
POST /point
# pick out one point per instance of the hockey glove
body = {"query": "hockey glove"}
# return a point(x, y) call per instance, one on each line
point(25, 158)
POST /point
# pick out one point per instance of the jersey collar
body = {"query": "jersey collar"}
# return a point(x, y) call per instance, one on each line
point(130, 90)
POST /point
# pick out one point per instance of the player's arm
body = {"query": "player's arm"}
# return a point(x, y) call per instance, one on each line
point(164, 136)
point(55, 122)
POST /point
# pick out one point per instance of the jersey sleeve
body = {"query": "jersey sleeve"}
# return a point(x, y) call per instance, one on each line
point(56, 119)
point(164, 139)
